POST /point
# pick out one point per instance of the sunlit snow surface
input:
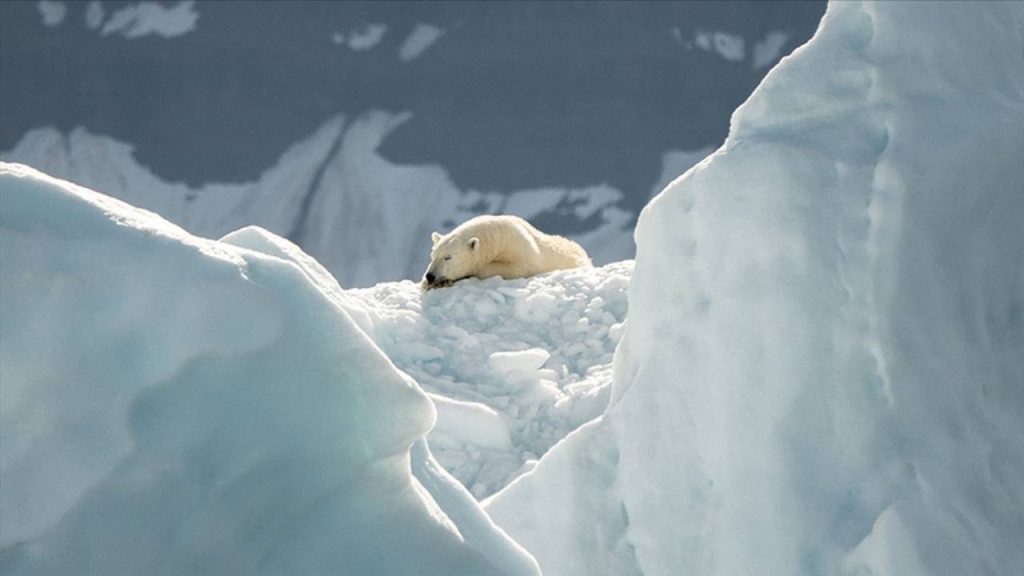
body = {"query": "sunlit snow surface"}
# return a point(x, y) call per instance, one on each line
point(174, 405)
point(823, 368)
point(514, 365)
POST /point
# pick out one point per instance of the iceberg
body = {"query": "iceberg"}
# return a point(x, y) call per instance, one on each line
point(821, 372)
point(175, 405)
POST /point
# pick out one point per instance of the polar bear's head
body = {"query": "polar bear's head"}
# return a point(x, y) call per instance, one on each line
point(452, 258)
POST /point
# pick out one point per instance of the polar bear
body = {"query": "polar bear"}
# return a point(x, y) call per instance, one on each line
point(505, 246)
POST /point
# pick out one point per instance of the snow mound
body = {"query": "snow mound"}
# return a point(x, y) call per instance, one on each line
point(173, 405)
point(513, 365)
point(822, 371)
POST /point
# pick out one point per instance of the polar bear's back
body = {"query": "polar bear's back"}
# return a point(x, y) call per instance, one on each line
point(560, 252)
point(528, 250)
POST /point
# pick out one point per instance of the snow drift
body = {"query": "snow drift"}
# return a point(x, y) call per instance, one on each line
point(822, 368)
point(173, 405)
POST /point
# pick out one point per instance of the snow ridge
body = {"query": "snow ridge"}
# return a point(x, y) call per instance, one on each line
point(183, 406)
point(818, 375)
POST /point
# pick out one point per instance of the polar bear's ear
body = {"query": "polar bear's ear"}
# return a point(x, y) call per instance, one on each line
point(473, 242)
point(435, 237)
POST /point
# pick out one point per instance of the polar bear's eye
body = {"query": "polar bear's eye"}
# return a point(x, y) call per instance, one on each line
point(448, 257)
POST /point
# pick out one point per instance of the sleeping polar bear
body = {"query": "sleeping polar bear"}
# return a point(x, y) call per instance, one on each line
point(505, 246)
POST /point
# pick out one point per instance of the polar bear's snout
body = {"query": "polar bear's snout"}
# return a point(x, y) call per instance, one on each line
point(431, 280)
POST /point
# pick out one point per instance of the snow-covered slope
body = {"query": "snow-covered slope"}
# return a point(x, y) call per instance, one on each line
point(337, 197)
point(174, 405)
point(822, 372)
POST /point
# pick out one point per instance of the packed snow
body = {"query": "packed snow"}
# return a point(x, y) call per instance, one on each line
point(513, 365)
point(822, 368)
point(174, 405)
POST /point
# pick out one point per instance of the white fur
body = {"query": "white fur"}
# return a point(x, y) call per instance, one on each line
point(505, 246)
